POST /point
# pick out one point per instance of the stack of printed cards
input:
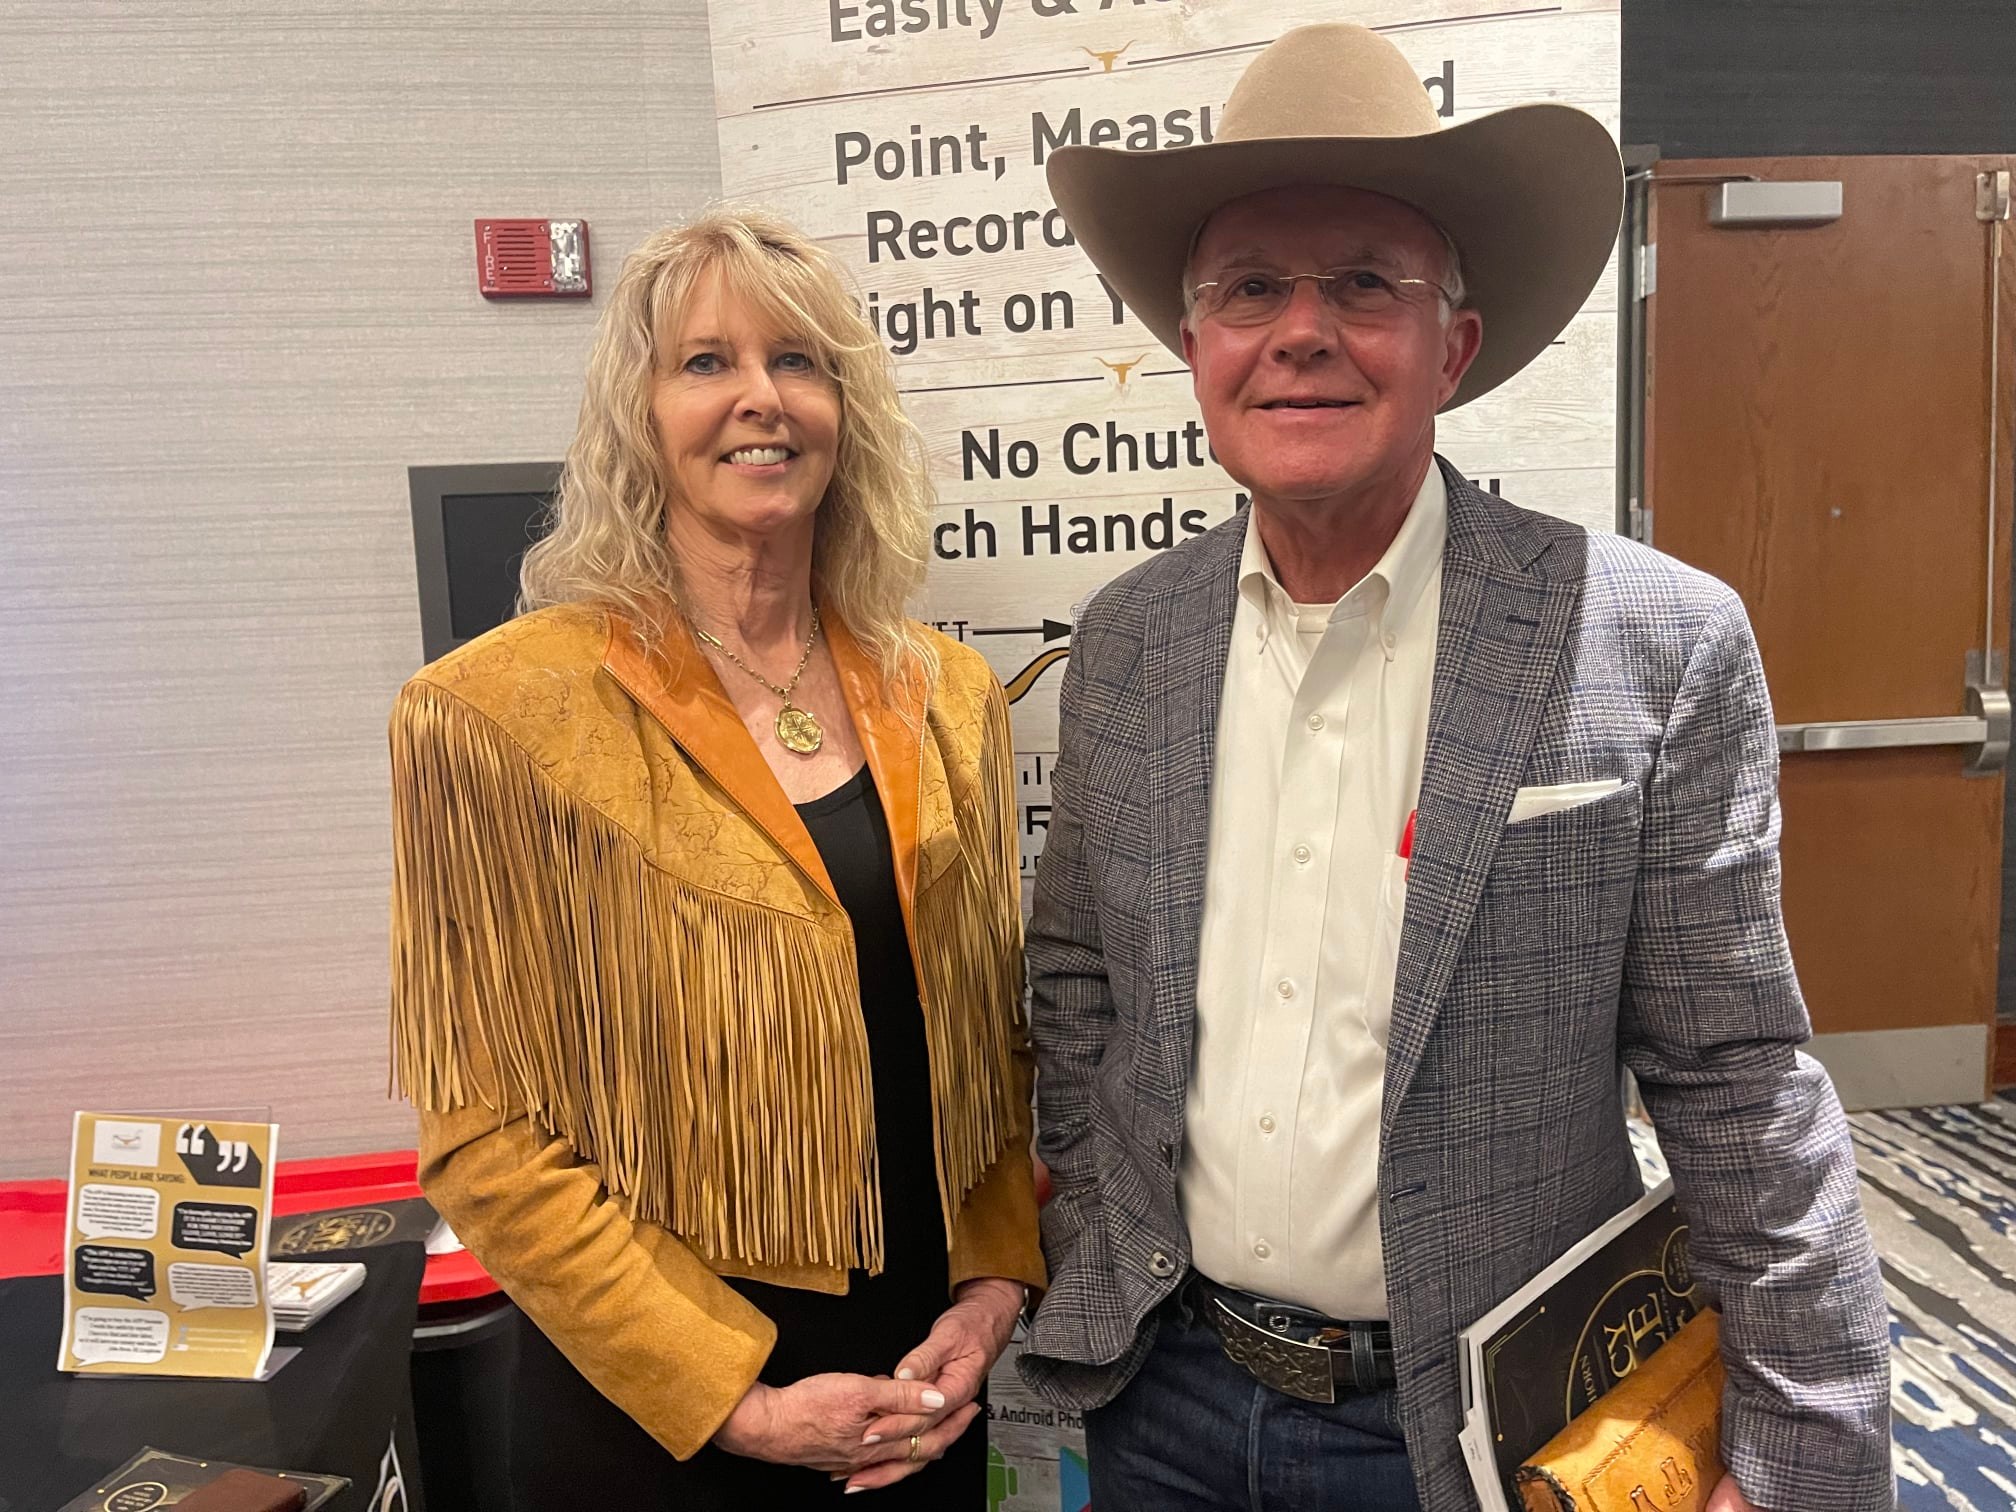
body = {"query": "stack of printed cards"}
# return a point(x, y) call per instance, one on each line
point(303, 1290)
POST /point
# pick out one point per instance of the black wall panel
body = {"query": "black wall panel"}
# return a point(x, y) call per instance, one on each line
point(1791, 78)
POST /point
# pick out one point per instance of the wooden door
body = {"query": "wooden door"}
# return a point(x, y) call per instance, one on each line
point(1817, 433)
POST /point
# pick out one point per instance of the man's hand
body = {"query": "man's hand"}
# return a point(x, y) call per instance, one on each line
point(1728, 1497)
point(967, 1339)
point(963, 1346)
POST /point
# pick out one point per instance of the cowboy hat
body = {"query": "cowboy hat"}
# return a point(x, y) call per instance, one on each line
point(1530, 195)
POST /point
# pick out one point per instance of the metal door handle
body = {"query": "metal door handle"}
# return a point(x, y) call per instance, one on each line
point(1985, 728)
point(1871, 734)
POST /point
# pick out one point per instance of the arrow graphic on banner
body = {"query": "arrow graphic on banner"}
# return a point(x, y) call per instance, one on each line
point(1050, 630)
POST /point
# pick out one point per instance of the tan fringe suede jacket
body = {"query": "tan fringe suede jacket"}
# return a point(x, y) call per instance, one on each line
point(624, 996)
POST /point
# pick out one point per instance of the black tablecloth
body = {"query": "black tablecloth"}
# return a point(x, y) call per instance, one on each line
point(343, 1406)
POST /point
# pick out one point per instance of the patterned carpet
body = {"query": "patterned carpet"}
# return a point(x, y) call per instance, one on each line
point(1939, 1186)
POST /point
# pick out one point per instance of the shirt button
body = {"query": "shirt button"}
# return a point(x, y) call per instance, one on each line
point(1160, 1265)
point(1266, 1123)
point(1301, 855)
point(1260, 1248)
point(1286, 988)
point(1315, 721)
point(1389, 641)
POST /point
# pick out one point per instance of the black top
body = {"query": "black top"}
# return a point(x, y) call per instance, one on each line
point(571, 1446)
point(882, 1317)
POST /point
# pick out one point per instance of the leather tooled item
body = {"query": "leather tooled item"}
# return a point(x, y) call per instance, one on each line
point(1299, 1370)
point(245, 1491)
point(1652, 1443)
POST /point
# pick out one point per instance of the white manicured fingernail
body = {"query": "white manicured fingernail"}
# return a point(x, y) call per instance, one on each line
point(906, 1374)
point(852, 1489)
point(933, 1400)
point(873, 1438)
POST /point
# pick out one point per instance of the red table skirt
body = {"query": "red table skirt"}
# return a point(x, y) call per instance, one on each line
point(32, 1212)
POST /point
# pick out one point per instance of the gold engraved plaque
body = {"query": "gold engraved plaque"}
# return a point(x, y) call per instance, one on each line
point(352, 1228)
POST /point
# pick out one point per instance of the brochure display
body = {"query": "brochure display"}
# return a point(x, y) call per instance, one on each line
point(165, 1252)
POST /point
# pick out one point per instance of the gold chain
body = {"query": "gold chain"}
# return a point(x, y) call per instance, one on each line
point(797, 729)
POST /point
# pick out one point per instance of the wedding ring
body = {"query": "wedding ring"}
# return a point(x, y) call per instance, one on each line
point(916, 1447)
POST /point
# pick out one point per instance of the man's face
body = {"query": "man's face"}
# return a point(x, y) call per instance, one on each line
point(1319, 403)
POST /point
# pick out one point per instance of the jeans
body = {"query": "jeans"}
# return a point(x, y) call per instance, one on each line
point(1193, 1432)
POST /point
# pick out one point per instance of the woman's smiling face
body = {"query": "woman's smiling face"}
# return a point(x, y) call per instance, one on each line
point(748, 420)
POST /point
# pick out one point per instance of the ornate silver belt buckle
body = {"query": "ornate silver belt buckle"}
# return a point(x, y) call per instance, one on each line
point(1297, 1370)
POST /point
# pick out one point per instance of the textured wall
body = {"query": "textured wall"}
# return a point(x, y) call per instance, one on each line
point(239, 302)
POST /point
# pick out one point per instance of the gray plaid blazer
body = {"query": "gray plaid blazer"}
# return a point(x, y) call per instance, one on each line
point(1642, 929)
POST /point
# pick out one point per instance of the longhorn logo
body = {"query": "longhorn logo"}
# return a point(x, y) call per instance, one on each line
point(1122, 369)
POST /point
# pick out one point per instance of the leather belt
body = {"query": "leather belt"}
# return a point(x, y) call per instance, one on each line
point(1292, 1349)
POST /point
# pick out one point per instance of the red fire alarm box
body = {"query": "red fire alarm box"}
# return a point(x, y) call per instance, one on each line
point(532, 258)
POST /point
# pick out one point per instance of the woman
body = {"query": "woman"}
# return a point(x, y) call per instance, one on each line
point(706, 928)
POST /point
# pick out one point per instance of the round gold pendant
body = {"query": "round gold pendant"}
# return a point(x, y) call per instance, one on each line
point(798, 731)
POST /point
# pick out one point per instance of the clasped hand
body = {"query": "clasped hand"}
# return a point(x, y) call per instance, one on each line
point(858, 1428)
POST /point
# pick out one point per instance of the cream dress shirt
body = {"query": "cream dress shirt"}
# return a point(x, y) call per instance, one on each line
point(1321, 734)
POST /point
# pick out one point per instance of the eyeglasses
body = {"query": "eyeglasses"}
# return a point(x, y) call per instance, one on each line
point(1246, 298)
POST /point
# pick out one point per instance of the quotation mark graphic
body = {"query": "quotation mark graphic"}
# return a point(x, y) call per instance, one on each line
point(224, 1162)
point(192, 1140)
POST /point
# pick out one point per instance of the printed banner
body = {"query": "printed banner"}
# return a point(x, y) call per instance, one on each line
point(1035, 1451)
point(166, 1253)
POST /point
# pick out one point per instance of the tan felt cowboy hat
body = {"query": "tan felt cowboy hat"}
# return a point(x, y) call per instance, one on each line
point(1530, 195)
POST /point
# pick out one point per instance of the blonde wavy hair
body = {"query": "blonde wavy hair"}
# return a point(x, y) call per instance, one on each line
point(608, 545)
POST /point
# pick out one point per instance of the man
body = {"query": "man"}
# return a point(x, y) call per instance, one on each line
point(1388, 820)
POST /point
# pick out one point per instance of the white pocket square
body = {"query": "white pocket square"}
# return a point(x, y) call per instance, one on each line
point(1532, 802)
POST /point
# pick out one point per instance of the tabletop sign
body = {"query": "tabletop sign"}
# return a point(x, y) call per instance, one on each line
point(165, 1267)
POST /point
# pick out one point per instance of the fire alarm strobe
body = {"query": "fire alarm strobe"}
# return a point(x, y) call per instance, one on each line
point(530, 258)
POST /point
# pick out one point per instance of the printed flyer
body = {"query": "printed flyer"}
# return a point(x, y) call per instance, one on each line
point(167, 1247)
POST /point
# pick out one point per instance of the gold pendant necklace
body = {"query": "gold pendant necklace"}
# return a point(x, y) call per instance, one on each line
point(797, 729)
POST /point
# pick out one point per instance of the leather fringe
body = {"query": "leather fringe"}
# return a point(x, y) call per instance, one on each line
point(707, 1054)
point(969, 949)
